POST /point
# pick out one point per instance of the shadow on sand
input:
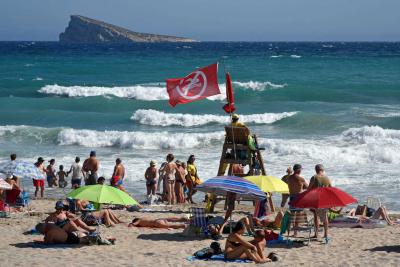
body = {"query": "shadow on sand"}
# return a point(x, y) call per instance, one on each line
point(177, 237)
point(43, 246)
point(388, 249)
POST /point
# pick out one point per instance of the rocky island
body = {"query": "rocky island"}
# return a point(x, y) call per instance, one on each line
point(86, 30)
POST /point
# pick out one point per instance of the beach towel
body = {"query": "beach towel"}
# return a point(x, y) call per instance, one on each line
point(219, 257)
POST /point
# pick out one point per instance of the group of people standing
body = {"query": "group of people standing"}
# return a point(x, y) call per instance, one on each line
point(175, 178)
point(88, 172)
point(297, 184)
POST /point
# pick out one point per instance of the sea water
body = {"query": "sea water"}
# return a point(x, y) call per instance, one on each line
point(330, 103)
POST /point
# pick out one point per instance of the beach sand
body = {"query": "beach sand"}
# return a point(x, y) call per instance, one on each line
point(154, 247)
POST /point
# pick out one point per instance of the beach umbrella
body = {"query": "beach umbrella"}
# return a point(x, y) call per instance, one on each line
point(103, 194)
point(323, 197)
point(220, 185)
point(269, 183)
point(22, 169)
point(4, 185)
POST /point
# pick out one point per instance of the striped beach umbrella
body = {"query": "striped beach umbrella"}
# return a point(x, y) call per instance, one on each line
point(22, 169)
point(220, 185)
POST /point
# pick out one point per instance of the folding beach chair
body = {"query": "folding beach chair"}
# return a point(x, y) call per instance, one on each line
point(296, 220)
point(373, 202)
point(199, 219)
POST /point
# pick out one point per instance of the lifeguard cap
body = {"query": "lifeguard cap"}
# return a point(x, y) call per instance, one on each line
point(235, 116)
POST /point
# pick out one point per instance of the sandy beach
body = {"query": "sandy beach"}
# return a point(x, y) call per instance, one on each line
point(150, 247)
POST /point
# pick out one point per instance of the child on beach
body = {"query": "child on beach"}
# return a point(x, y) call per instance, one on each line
point(61, 174)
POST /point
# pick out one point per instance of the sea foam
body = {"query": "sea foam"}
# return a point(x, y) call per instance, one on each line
point(159, 118)
point(355, 146)
point(137, 140)
point(144, 92)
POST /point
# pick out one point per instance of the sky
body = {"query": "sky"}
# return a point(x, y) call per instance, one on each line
point(211, 20)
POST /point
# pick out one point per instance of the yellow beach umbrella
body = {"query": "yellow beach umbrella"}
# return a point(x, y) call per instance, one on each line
point(269, 183)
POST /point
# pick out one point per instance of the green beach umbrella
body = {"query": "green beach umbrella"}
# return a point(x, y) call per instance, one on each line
point(103, 194)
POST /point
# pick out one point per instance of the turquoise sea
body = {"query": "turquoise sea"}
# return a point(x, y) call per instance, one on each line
point(330, 103)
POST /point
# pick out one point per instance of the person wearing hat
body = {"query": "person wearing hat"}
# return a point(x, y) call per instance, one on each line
point(235, 121)
point(77, 172)
point(51, 173)
point(90, 168)
point(68, 221)
point(320, 180)
point(39, 181)
point(296, 183)
point(151, 176)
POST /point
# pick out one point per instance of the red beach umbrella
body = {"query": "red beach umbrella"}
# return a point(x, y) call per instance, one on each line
point(323, 197)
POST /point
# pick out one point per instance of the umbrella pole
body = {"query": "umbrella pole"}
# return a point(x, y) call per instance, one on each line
point(271, 204)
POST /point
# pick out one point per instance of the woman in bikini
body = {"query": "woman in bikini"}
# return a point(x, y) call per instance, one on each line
point(238, 248)
point(170, 170)
point(105, 216)
point(68, 221)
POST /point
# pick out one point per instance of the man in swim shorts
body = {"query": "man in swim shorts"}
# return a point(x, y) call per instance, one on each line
point(296, 183)
point(118, 174)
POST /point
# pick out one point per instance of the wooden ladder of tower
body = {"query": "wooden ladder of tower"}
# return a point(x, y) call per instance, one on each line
point(236, 150)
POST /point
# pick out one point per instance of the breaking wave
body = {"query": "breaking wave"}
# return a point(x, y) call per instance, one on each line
point(365, 145)
point(137, 140)
point(145, 92)
point(160, 118)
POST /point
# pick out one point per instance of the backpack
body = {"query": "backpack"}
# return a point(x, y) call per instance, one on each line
point(207, 253)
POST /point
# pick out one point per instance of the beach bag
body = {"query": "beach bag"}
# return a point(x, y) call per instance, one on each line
point(207, 253)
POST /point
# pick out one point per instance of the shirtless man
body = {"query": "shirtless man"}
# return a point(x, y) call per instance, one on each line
point(159, 223)
point(118, 174)
point(56, 235)
point(90, 167)
point(170, 169)
point(296, 183)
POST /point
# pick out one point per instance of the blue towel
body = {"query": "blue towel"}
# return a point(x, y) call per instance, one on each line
point(219, 257)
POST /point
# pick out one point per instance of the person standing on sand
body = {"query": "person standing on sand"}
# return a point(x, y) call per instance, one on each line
point(51, 173)
point(151, 176)
point(289, 171)
point(296, 183)
point(162, 180)
point(192, 179)
point(90, 168)
point(118, 175)
point(170, 170)
point(77, 173)
point(180, 182)
point(39, 181)
point(320, 180)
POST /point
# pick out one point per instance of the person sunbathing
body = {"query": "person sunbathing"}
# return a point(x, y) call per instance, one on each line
point(238, 248)
point(104, 216)
point(159, 223)
point(68, 221)
point(56, 235)
point(379, 214)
